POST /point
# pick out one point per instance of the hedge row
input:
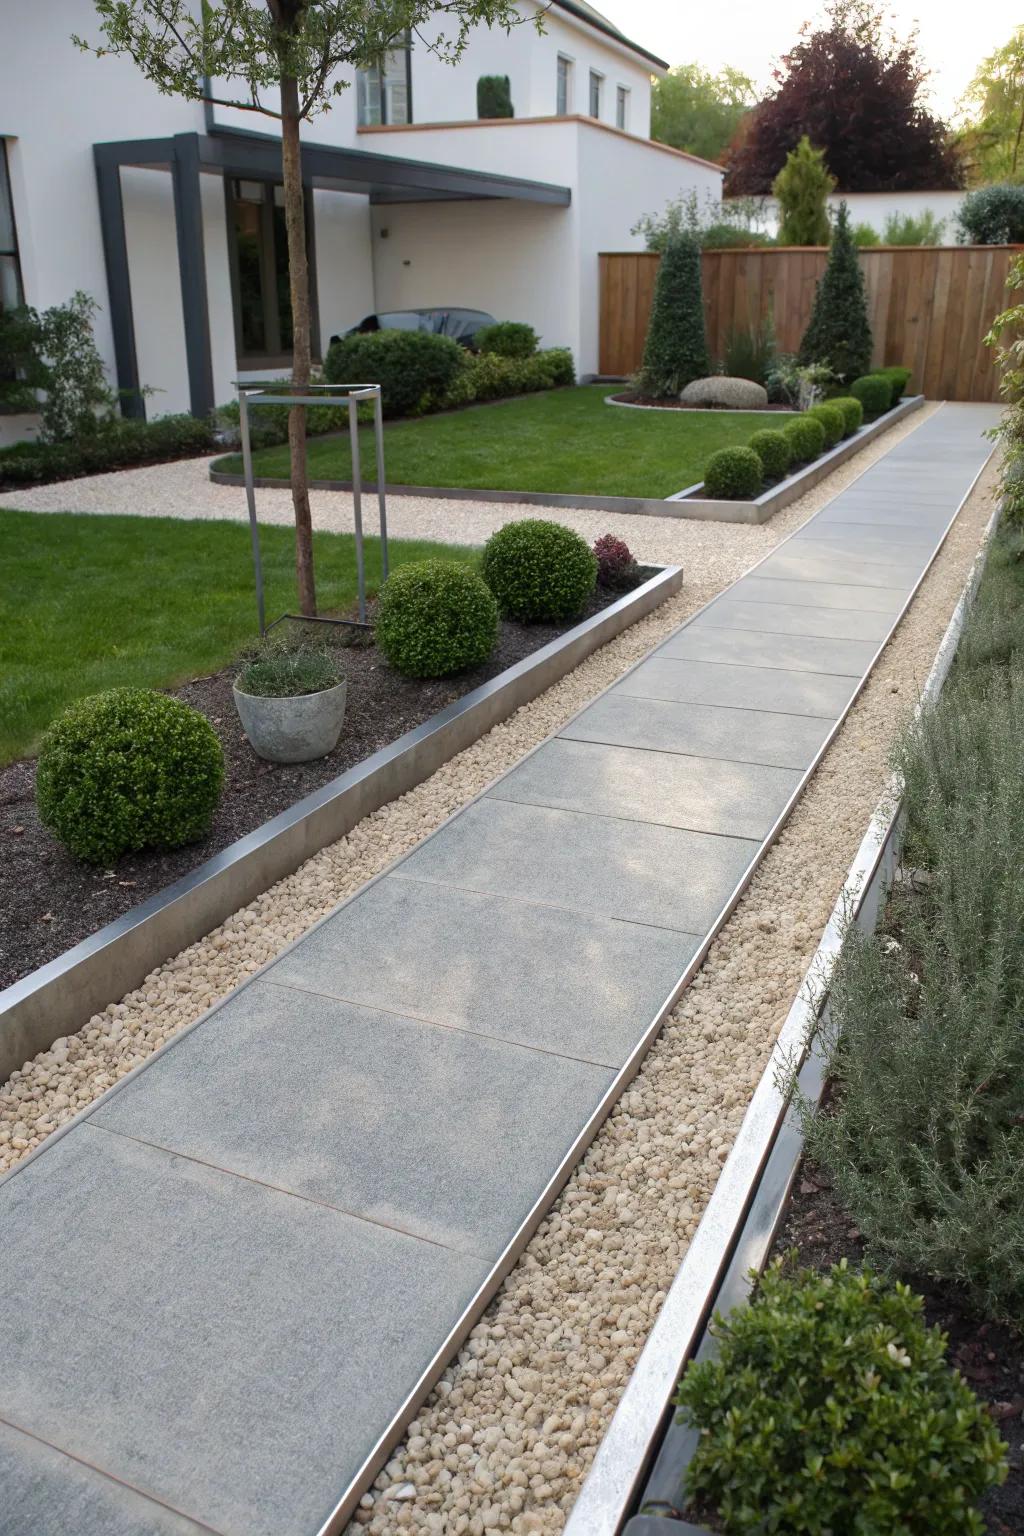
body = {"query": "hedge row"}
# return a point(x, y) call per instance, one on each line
point(116, 444)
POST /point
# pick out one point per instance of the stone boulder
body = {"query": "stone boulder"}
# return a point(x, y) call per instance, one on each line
point(739, 394)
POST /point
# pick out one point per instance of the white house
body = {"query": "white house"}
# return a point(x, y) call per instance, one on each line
point(168, 212)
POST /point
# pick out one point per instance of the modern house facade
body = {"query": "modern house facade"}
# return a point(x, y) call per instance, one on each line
point(169, 212)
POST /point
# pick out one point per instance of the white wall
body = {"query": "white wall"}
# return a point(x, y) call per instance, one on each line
point(875, 207)
point(156, 289)
point(344, 261)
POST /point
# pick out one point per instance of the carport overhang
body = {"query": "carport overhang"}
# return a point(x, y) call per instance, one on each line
point(186, 156)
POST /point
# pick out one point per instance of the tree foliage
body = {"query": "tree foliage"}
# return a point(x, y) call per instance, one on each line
point(712, 226)
point(802, 188)
point(856, 91)
point(839, 333)
point(676, 348)
point(696, 110)
point(991, 139)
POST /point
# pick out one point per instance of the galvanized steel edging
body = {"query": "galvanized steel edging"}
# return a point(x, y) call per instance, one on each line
point(57, 998)
point(724, 1248)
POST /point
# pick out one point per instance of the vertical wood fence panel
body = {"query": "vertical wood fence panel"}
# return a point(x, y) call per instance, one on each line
point(930, 306)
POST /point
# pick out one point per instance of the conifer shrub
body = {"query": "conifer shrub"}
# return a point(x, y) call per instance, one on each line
point(839, 333)
point(676, 348)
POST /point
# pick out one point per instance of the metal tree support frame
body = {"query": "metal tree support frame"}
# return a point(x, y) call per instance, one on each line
point(319, 394)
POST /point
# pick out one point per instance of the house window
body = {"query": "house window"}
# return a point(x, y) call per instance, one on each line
point(622, 107)
point(384, 92)
point(258, 251)
point(596, 82)
point(563, 102)
point(11, 294)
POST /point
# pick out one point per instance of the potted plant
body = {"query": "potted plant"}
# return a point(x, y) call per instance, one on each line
point(291, 702)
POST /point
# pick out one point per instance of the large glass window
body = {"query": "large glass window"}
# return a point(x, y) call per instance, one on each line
point(11, 294)
point(563, 98)
point(260, 279)
point(384, 93)
point(596, 82)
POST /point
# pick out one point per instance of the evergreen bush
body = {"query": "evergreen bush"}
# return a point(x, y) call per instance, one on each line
point(435, 617)
point(874, 392)
point(507, 338)
point(126, 770)
point(539, 571)
point(733, 474)
point(839, 333)
point(676, 348)
point(494, 96)
point(832, 419)
point(802, 188)
point(806, 438)
point(774, 451)
point(412, 367)
point(853, 413)
point(992, 215)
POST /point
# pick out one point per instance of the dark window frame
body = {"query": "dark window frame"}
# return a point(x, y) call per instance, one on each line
point(269, 358)
point(7, 192)
point(406, 48)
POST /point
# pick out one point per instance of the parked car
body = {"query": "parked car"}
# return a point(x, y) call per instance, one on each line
point(460, 324)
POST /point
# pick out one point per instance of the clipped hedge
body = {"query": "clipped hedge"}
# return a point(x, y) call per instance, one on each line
point(732, 474)
point(126, 770)
point(539, 571)
point(412, 367)
point(435, 617)
point(874, 391)
point(774, 451)
point(507, 338)
point(853, 413)
point(831, 419)
point(116, 444)
point(898, 377)
point(806, 438)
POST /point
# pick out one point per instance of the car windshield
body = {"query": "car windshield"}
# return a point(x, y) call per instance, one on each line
point(406, 320)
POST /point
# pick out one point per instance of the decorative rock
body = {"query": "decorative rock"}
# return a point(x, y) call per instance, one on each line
point(739, 394)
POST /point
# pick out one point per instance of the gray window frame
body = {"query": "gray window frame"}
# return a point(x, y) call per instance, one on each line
point(281, 357)
point(595, 86)
point(7, 195)
point(565, 68)
point(378, 70)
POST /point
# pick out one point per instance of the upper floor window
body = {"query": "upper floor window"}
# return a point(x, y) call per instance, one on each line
point(596, 82)
point(563, 100)
point(11, 294)
point(622, 107)
point(384, 92)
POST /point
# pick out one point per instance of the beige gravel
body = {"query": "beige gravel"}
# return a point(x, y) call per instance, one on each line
point(507, 1436)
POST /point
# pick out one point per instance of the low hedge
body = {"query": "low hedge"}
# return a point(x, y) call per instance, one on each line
point(774, 451)
point(539, 571)
point(898, 377)
point(806, 438)
point(853, 413)
point(435, 617)
point(874, 391)
point(412, 367)
point(507, 338)
point(116, 444)
point(832, 419)
point(732, 474)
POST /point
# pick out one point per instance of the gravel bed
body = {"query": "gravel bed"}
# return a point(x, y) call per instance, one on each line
point(506, 1438)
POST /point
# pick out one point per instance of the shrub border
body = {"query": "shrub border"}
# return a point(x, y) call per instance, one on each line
point(61, 996)
point(683, 504)
point(644, 1455)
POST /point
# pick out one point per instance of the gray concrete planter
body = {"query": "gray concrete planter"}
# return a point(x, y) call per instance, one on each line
point(296, 729)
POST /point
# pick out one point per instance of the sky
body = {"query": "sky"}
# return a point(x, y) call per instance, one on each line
point(749, 34)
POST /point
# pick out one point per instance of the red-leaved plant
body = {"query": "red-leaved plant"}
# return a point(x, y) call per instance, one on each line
point(616, 567)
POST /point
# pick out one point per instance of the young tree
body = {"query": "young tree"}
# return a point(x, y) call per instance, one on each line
point(802, 188)
point(698, 111)
point(856, 90)
point(839, 334)
point(676, 348)
point(281, 58)
point(992, 137)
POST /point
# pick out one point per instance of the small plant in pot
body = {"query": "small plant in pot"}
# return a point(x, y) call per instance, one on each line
point(291, 702)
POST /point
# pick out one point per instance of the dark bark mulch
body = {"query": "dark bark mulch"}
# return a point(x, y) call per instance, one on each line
point(990, 1357)
point(49, 901)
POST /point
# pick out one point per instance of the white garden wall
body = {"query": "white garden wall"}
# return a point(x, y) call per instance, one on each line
point(875, 208)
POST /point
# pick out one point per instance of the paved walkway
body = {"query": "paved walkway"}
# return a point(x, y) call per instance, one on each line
point(221, 1285)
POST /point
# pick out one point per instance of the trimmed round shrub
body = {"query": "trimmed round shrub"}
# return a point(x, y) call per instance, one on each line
point(413, 368)
point(539, 571)
point(733, 473)
point(617, 569)
point(831, 419)
point(774, 452)
point(898, 378)
point(507, 338)
point(853, 413)
point(806, 438)
point(874, 393)
point(127, 770)
point(993, 215)
point(435, 617)
point(830, 1407)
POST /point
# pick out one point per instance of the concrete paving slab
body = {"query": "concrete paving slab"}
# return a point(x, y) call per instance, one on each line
point(820, 594)
point(798, 563)
point(767, 688)
point(457, 957)
point(790, 652)
point(794, 619)
point(643, 873)
point(217, 1345)
point(700, 730)
point(702, 794)
point(483, 1122)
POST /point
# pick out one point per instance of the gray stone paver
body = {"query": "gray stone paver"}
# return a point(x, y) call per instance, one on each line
point(219, 1286)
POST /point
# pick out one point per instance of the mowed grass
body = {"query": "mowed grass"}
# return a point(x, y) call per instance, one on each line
point(95, 602)
point(565, 441)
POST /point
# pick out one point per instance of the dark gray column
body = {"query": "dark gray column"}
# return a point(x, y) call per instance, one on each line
point(188, 219)
point(115, 255)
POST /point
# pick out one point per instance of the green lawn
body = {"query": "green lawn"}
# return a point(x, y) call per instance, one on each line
point(566, 441)
point(90, 602)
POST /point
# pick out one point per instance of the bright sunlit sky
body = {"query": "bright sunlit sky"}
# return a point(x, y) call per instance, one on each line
point(954, 37)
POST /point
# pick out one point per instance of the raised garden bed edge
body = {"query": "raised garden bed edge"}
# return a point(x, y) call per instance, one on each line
point(61, 996)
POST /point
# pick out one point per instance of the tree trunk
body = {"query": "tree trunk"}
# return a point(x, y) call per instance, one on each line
point(298, 277)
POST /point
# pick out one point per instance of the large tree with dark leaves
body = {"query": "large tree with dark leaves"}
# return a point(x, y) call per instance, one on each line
point(855, 89)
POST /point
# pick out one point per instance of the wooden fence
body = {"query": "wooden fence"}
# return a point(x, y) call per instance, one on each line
point(930, 307)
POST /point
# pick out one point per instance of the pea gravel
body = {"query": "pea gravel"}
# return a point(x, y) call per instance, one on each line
point(506, 1438)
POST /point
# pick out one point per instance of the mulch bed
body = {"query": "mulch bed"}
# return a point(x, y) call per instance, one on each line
point(677, 405)
point(49, 901)
point(990, 1357)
